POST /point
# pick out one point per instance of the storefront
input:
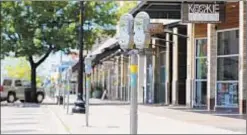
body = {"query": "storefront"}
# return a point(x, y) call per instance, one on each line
point(217, 62)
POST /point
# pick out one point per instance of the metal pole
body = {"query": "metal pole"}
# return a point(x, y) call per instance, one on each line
point(68, 93)
point(81, 42)
point(88, 87)
point(64, 90)
point(134, 106)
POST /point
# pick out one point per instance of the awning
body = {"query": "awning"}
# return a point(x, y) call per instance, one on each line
point(160, 9)
point(106, 44)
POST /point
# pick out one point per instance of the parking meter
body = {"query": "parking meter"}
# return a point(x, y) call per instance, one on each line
point(126, 31)
point(142, 35)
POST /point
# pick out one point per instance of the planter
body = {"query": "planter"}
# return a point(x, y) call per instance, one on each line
point(97, 94)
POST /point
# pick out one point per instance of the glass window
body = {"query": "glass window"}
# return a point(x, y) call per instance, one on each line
point(201, 68)
point(201, 47)
point(7, 82)
point(228, 42)
point(201, 93)
point(162, 58)
point(18, 83)
point(227, 68)
point(227, 94)
point(162, 75)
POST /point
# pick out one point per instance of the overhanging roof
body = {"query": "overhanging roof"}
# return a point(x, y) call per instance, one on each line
point(106, 44)
point(159, 9)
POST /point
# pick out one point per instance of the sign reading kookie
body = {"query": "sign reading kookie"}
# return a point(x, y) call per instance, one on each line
point(203, 12)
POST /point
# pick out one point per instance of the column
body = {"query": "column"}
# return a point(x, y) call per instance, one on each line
point(121, 77)
point(116, 76)
point(212, 66)
point(141, 75)
point(190, 65)
point(242, 56)
point(175, 68)
point(167, 68)
point(154, 75)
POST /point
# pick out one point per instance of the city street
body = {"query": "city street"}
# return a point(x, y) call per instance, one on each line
point(106, 118)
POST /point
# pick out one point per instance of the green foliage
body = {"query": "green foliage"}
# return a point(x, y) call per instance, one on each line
point(21, 70)
point(32, 28)
point(126, 7)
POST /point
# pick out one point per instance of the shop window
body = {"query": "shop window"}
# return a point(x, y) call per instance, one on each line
point(201, 68)
point(228, 42)
point(201, 47)
point(227, 68)
point(200, 92)
point(227, 94)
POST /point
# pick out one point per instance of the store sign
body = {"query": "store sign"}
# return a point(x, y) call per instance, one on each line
point(203, 12)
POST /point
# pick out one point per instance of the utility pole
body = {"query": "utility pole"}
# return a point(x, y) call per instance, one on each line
point(0, 41)
point(79, 103)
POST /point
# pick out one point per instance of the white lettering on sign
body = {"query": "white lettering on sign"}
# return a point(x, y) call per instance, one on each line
point(204, 8)
point(203, 12)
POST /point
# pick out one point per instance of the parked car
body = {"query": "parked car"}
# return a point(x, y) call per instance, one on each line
point(14, 89)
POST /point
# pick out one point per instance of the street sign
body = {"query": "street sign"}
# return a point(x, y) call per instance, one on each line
point(141, 28)
point(126, 31)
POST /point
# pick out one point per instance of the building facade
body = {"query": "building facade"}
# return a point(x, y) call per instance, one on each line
point(193, 64)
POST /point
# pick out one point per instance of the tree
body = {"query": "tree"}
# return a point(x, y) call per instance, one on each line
point(35, 29)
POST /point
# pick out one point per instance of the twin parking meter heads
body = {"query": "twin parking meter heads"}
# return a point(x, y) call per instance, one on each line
point(134, 31)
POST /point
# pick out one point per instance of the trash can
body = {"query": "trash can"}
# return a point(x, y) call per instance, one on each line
point(59, 100)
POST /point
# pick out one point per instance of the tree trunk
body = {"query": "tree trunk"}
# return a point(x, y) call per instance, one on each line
point(33, 78)
point(34, 66)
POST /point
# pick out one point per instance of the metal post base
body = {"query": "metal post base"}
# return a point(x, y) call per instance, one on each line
point(79, 106)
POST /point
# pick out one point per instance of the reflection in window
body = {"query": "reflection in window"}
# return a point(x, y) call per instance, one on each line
point(228, 42)
point(201, 68)
point(227, 68)
point(201, 47)
point(201, 93)
point(227, 94)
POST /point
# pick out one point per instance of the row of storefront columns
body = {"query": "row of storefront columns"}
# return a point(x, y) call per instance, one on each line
point(122, 76)
point(243, 56)
point(141, 76)
point(190, 65)
point(212, 65)
point(175, 68)
point(168, 75)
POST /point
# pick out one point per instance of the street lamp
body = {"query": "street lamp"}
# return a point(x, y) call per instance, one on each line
point(79, 103)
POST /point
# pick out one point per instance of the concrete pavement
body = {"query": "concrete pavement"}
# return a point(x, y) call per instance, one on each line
point(114, 119)
point(21, 118)
point(111, 117)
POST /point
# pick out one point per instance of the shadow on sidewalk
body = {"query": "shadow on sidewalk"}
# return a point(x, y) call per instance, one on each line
point(20, 105)
point(203, 110)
